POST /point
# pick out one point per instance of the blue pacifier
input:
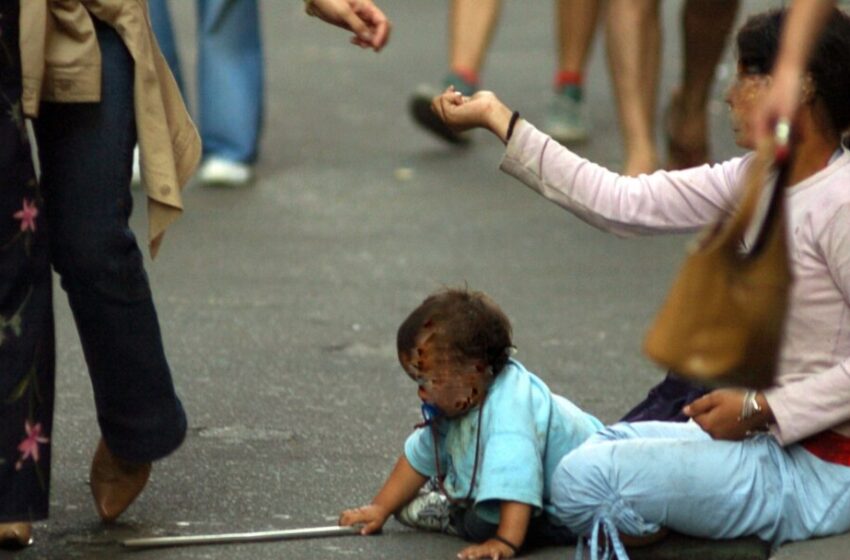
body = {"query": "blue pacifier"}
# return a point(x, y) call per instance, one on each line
point(430, 412)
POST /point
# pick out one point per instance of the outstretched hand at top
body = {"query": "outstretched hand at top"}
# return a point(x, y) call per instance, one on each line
point(370, 26)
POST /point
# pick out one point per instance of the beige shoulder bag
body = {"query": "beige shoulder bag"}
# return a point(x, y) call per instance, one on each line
point(722, 321)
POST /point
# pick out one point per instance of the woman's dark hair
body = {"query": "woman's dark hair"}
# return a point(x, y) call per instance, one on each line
point(829, 65)
point(471, 324)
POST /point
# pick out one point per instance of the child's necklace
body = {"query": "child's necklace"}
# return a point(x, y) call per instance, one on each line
point(440, 476)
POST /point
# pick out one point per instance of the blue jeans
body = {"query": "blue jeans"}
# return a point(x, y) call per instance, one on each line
point(77, 220)
point(637, 478)
point(230, 74)
point(86, 157)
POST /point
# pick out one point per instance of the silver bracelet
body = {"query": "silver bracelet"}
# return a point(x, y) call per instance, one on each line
point(750, 407)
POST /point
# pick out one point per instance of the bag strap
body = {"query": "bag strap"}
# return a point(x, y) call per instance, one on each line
point(762, 201)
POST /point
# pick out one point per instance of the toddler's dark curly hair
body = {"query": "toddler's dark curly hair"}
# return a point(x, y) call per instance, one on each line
point(467, 324)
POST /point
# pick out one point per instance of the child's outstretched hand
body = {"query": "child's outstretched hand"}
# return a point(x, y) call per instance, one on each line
point(492, 548)
point(372, 517)
point(482, 110)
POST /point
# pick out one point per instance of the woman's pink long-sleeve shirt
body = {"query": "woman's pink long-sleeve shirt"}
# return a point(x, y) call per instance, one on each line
point(812, 391)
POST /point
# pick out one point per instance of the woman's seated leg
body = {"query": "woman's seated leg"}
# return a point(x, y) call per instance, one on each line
point(634, 480)
point(648, 430)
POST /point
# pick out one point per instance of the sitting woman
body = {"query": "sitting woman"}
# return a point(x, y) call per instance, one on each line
point(774, 464)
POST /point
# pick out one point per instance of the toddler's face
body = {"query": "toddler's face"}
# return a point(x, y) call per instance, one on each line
point(453, 387)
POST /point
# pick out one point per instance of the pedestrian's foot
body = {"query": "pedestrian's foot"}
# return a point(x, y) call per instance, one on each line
point(220, 172)
point(565, 121)
point(115, 483)
point(420, 109)
point(686, 132)
point(14, 536)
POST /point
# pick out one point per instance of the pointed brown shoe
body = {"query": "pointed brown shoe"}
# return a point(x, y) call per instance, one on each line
point(15, 535)
point(115, 483)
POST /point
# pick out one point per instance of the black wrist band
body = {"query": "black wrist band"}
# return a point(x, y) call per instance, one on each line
point(503, 540)
point(511, 125)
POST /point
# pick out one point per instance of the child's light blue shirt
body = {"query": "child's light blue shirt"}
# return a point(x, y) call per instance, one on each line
point(525, 432)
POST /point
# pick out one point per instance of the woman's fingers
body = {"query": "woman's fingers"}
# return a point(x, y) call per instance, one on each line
point(699, 406)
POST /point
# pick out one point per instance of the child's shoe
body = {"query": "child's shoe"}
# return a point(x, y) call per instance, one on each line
point(565, 120)
point(420, 109)
point(429, 511)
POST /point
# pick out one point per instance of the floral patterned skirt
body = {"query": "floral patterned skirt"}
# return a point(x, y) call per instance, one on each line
point(26, 317)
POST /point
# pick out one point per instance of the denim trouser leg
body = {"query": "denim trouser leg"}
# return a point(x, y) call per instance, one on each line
point(164, 31)
point(644, 476)
point(86, 154)
point(26, 314)
point(230, 78)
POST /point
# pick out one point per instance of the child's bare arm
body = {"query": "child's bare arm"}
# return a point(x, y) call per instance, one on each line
point(400, 487)
point(513, 524)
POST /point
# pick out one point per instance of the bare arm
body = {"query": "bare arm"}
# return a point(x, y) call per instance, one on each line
point(513, 525)
point(400, 487)
point(804, 21)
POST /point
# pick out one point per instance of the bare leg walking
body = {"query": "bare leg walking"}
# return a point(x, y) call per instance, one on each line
point(706, 24)
point(575, 28)
point(634, 41)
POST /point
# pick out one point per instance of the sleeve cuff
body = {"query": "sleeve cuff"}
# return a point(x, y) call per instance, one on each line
point(420, 453)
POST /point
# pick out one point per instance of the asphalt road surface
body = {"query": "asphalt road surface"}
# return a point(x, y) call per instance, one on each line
point(279, 302)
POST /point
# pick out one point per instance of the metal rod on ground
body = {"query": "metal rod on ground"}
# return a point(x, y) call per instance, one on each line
point(228, 538)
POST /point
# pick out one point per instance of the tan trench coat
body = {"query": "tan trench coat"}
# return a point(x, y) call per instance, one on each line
point(60, 58)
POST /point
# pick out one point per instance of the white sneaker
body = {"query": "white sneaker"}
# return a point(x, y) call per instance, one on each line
point(136, 180)
point(218, 172)
point(428, 511)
